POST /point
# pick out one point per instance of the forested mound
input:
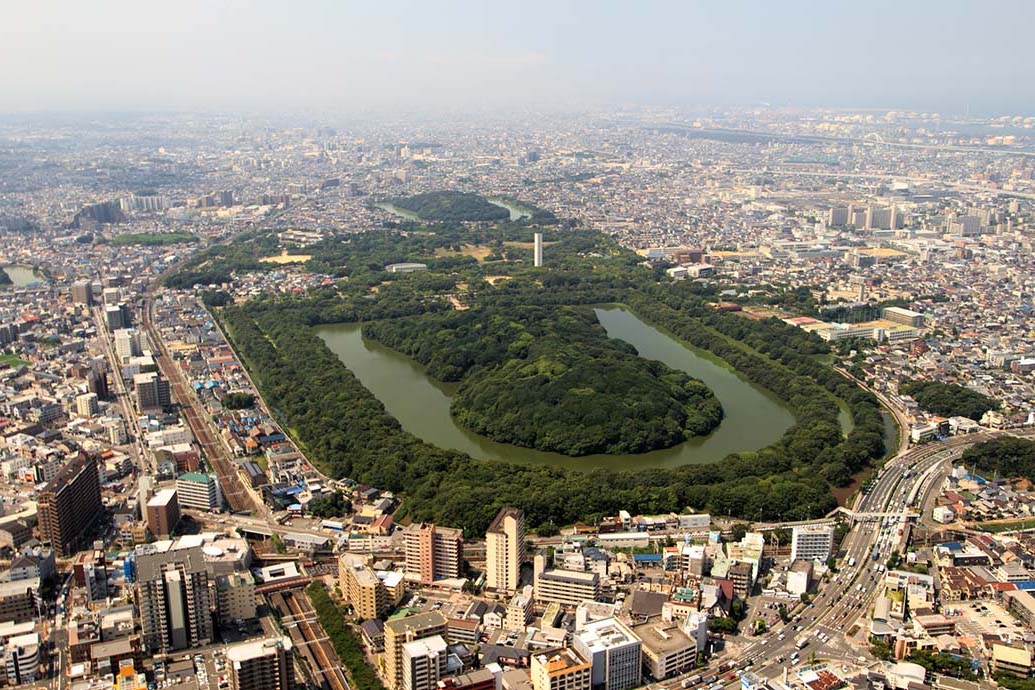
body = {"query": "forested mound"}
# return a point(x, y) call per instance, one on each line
point(550, 378)
point(451, 207)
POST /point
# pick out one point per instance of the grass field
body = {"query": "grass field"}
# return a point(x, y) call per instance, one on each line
point(13, 360)
point(997, 526)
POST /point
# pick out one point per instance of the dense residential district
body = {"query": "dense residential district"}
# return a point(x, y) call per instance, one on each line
point(163, 526)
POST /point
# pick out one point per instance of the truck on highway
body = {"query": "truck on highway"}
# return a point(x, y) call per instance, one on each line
point(851, 562)
point(692, 681)
point(802, 643)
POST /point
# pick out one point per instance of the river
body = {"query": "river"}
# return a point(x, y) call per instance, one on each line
point(754, 418)
point(23, 275)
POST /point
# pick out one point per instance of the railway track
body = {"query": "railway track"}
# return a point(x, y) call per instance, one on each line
point(234, 493)
point(298, 617)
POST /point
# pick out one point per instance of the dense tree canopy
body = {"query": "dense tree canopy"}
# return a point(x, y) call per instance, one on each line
point(345, 430)
point(948, 399)
point(550, 378)
point(1008, 456)
point(451, 207)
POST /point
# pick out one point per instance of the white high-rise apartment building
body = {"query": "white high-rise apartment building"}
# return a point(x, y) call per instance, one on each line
point(505, 550)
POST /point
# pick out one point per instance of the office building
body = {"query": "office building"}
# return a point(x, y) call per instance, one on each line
point(82, 292)
point(560, 670)
point(566, 587)
point(667, 650)
point(70, 505)
point(614, 652)
point(163, 513)
point(362, 588)
point(128, 343)
point(174, 601)
point(261, 664)
point(538, 249)
point(152, 391)
point(812, 542)
point(433, 553)
point(199, 491)
point(424, 663)
point(86, 405)
point(400, 631)
point(505, 550)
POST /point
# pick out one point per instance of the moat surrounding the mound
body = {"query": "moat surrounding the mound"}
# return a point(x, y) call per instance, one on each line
point(753, 417)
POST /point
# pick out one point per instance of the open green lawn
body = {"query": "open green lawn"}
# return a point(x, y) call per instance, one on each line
point(13, 360)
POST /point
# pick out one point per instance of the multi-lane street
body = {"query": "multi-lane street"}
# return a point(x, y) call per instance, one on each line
point(833, 623)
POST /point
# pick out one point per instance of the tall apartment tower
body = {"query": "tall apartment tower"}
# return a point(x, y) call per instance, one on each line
point(152, 391)
point(433, 553)
point(402, 630)
point(538, 255)
point(261, 664)
point(128, 343)
point(82, 292)
point(69, 506)
point(174, 600)
point(505, 550)
point(424, 663)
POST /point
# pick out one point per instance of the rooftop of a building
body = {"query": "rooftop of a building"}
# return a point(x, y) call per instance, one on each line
point(254, 649)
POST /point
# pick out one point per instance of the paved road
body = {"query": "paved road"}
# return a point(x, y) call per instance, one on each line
point(840, 605)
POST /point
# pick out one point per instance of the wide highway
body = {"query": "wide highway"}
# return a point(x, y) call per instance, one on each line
point(847, 598)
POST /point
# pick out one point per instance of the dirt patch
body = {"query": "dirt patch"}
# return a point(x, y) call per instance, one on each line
point(285, 258)
point(478, 251)
point(492, 280)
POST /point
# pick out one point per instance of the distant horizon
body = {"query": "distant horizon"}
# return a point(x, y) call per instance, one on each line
point(948, 56)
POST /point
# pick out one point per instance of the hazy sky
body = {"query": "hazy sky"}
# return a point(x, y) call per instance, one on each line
point(355, 56)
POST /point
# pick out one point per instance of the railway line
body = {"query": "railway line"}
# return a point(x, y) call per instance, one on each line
point(308, 636)
point(234, 493)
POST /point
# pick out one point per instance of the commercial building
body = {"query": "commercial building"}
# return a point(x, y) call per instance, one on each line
point(566, 587)
point(667, 650)
point(362, 588)
point(812, 542)
point(424, 663)
point(519, 611)
point(261, 664)
point(174, 601)
point(613, 650)
point(199, 491)
point(560, 670)
point(402, 630)
point(152, 391)
point(505, 550)
point(70, 505)
point(433, 553)
point(163, 513)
